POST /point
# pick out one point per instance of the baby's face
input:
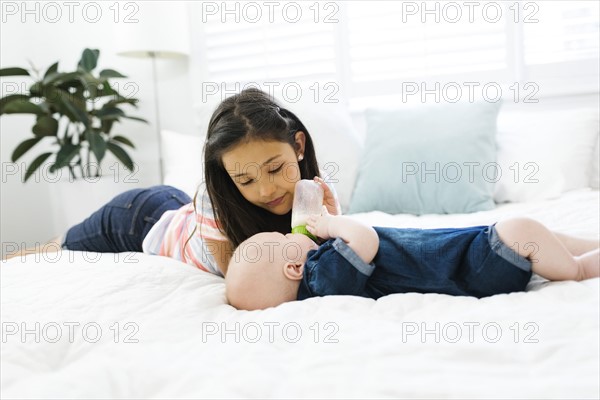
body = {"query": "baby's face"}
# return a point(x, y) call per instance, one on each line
point(276, 249)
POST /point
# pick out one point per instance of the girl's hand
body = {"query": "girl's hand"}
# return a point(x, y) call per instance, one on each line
point(329, 200)
point(318, 225)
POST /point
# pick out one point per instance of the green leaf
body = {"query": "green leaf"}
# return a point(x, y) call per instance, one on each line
point(24, 147)
point(47, 108)
point(19, 106)
point(111, 73)
point(89, 59)
point(121, 100)
point(75, 98)
point(64, 156)
point(106, 90)
point(45, 126)
point(36, 164)
point(106, 125)
point(36, 89)
point(53, 68)
point(66, 81)
point(97, 143)
point(51, 77)
point(58, 78)
point(7, 99)
point(109, 113)
point(77, 115)
point(53, 96)
point(14, 71)
point(123, 140)
point(135, 118)
point(69, 84)
point(120, 154)
point(90, 83)
point(68, 104)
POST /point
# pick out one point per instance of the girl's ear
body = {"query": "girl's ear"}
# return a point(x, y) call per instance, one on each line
point(293, 271)
point(300, 139)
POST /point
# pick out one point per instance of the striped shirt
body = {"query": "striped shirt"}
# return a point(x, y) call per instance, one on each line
point(168, 236)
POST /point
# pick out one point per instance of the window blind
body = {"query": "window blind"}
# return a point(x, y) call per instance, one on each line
point(387, 42)
point(374, 46)
point(280, 50)
point(560, 31)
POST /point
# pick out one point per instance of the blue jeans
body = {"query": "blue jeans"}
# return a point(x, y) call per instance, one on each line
point(470, 261)
point(123, 223)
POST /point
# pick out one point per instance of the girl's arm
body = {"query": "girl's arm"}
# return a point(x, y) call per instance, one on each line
point(359, 237)
point(221, 250)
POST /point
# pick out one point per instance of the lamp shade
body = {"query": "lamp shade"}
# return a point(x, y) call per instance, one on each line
point(161, 30)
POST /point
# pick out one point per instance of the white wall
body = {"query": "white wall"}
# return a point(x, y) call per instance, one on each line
point(28, 213)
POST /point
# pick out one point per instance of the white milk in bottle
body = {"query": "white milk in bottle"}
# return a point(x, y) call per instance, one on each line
point(308, 200)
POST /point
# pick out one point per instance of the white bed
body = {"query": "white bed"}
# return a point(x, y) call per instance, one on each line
point(543, 343)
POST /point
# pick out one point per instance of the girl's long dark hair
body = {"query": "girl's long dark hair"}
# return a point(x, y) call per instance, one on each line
point(249, 115)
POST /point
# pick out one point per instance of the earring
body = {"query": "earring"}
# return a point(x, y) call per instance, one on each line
point(300, 157)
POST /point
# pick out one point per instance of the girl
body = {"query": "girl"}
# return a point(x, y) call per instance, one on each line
point(255, 152)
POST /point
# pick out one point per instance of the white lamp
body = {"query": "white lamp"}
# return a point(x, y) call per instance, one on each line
point(161, 31)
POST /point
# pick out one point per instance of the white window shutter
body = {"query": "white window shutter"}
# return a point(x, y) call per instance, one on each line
point(383, 47)
point(269, 51)
point(371, 51)
point(564, 31)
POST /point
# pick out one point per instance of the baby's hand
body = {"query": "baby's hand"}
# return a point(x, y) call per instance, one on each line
point(318, 225)
point(329, 200)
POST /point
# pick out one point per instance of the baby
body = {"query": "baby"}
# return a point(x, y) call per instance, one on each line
point(270, 268)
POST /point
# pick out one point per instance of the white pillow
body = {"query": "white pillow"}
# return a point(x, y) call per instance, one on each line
point(542, 154)
point(335, 140)
point(182, 160)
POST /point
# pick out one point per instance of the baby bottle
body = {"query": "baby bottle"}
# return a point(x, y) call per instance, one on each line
point(308, 199)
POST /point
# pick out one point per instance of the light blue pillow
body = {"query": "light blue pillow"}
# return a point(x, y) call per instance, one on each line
point(438, 159)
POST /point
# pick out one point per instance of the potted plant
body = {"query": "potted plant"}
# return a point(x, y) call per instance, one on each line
point(77, 110)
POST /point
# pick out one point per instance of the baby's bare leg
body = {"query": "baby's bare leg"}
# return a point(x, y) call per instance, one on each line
point(549, 257)
point(590, 262)
point(577, 246)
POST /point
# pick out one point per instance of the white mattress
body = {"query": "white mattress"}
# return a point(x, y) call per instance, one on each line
point(547, 338)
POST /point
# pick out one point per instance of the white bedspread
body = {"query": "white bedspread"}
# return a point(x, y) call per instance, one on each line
point(148, 326)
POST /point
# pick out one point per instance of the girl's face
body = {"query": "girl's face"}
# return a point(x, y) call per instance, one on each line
point(266, 172)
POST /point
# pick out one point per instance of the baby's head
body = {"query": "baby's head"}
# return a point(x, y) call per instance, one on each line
point(266, 270)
